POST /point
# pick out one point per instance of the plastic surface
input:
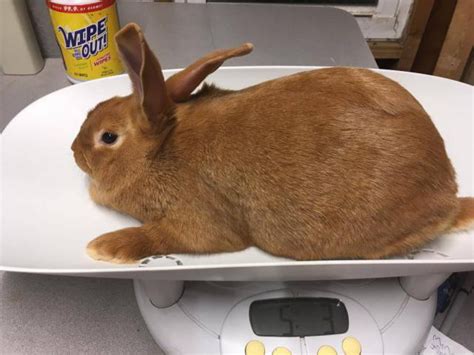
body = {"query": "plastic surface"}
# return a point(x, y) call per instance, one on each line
point(48, 217)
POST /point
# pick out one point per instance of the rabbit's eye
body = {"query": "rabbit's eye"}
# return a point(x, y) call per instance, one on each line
point(109, 138)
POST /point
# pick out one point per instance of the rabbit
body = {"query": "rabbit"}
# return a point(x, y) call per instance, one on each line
point(335, 163)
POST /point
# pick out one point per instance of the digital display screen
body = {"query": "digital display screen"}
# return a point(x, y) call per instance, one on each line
point(298, 317)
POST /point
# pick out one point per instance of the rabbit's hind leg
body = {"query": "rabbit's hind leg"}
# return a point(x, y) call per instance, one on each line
point(410, 242)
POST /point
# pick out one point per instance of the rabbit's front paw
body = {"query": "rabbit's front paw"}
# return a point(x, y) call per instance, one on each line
point(125, 246)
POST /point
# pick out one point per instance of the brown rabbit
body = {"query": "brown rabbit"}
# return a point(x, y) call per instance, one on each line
point(330, 163)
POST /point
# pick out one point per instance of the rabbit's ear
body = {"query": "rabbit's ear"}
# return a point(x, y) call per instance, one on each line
point(144, 71)
point(182, 84)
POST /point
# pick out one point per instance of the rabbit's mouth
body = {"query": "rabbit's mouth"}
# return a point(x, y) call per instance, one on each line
point(82, 162)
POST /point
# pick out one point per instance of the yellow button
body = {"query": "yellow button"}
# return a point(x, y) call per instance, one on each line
point(327, 350)
point(351, 346)
point(254, 347)
point(281, 351)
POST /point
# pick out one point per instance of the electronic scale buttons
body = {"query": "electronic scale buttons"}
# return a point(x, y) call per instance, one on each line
point(350, 346)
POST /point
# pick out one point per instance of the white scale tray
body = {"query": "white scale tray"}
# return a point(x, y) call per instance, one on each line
point(48, 217)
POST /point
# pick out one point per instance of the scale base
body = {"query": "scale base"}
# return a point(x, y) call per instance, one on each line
point(213, 317)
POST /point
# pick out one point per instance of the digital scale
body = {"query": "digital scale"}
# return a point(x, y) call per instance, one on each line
point(298, 318)
point(248, 302)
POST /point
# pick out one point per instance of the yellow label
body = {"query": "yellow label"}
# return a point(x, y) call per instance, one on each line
point(85, 34)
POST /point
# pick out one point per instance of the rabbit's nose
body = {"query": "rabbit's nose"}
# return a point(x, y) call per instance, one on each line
point(75, 145)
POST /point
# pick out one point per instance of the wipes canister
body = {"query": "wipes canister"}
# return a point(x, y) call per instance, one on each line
point(85, 31)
